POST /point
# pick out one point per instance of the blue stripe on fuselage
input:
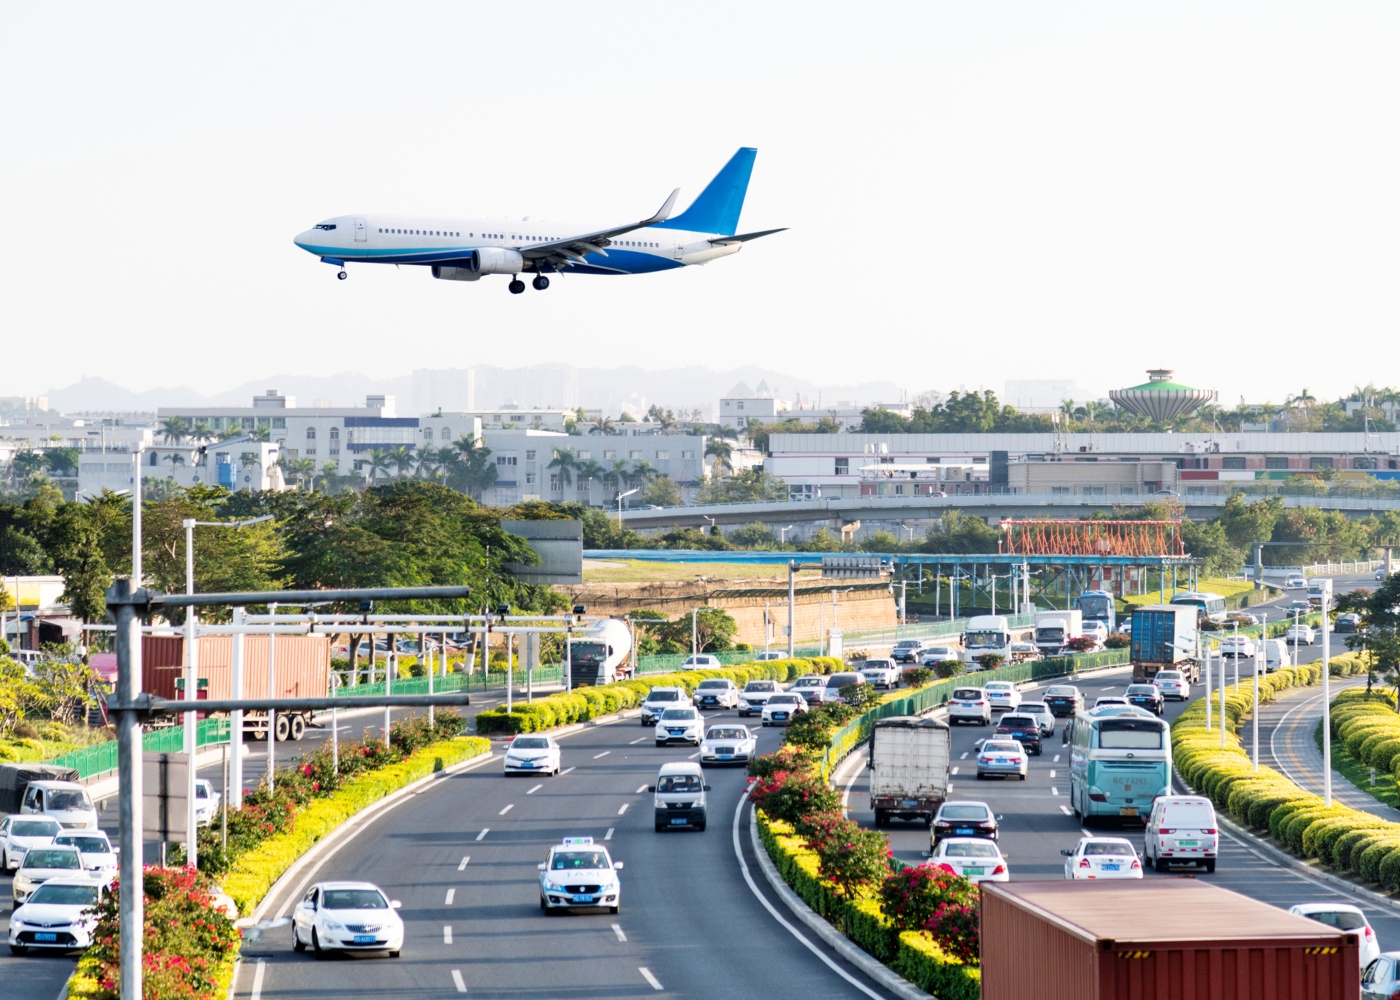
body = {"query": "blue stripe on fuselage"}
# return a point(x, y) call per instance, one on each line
point(616, 262)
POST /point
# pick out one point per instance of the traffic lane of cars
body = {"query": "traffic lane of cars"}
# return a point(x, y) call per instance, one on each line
point(683, 898)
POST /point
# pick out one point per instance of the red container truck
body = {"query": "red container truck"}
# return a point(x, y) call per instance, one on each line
point(1159, 939)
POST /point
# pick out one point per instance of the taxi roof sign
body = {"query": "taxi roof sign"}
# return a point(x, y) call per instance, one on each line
point(578, 841)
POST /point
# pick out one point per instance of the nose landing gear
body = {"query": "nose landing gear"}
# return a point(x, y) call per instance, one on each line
point(540, 283)
point(516, 286)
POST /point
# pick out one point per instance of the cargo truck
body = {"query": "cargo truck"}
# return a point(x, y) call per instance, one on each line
point(600, 655)
point(1164, 638)
point(986, 634)
point(1159, 939)
point(1055, 629)
point(1097, 606)
point(909, 758)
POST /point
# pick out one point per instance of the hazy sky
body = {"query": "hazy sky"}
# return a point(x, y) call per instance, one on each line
point(976, 191)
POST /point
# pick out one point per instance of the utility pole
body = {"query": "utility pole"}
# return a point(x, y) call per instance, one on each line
point(792, 593)
point(1326, 587)
point(191, 693)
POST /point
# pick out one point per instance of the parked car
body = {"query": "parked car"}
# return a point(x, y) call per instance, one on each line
point(969, 704)
point(533, 754)
point(682, 724)
point(59, 916)
point(880, 673)
point(755, 695)
point(1302, 635)
point(21, 834)
point(1173, 684)
point(1347, 621)
point(1181, 829)
point(1147, 696)
point(1005, 758)
point(659, 699)
point(347, 916)
point(934, 655)
point(781, 709)
point(1042, 714)
point(1102, 858)
point(973, 858)
point(1024, 729)
point(1003, 694)
point(1064, 699)
point(700, 661)
point(963, 819)
point(728, 745)
point(717, 692)
point(1344, 917)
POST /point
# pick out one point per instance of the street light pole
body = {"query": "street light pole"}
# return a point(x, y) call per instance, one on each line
point(131, 901)
point(1326, 587)
point(191, 694)
point(619, 507)
point(272, 693)
point(792, 616)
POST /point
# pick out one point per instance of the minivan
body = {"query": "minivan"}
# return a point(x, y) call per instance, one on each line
point(66, 801)
point(1276, 655)
point(680, 796)
point(1181, 829)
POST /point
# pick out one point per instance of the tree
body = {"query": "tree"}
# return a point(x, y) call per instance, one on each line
point(642, 473)
point(563, 464)
point(663, 492)
point(262, 432)
point(1379, 634)
point(588, 471)
point(249, 460)
point(24, 465)
point(75, 547)
point(474, 471)
point(722, 452)
point(754, 536)
point(175, 429)
point(379, 461)
point(403, 461)
point(62, 461)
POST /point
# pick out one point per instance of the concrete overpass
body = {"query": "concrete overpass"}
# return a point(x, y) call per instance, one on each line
point(838, 512)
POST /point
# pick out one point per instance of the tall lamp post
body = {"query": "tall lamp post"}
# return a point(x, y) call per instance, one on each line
point(619, 506)
point(1325, 585)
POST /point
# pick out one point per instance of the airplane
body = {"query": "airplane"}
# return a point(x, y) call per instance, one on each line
point(465, 249)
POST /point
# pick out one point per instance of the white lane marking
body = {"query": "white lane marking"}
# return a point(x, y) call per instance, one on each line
point(635, 742)
point(694, 755)
point(642, 789)
point(566, 770)
point(608, 835)
point(603, 754)
point(450, 894)
point(257, 980)
point(463, 866)
point(534, 790)
point(646, 974)
point(447, 935)
point(617, 929)
point(1054, 790)
point(483, 833)
point(1067, 810)
point(953, 771)
point(457, 980)
point(623, 809)
point(1057, 759)
point(753, 887)
point(1085, 830)
point(506, 809)
point(1052, 772)
point(963, 757)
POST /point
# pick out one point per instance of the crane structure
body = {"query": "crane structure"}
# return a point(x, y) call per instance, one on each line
point(1091, 538)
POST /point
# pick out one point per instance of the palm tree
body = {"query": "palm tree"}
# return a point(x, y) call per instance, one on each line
point(473, 471)
point(202, 432)
point(175, 429)
point(606, 425)
point(587, 472)
point(619, 471)
point(249, 459)
point(379, 461)
point(565, 465)
point(403, 461)
point(260, 433)
point(174, 458)
point(642, 473)
point(722, 452)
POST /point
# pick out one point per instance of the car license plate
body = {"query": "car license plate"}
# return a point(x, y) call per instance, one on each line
point(725, 756)
point(364, 939)
point(528, 763)
point(583, 899)
point(973, 871)
point(679, 821)
point(45, 937)
point(1127, 811)
point(1110, 868)
point(780, 715)
point(963, 831)
point(1188, 843)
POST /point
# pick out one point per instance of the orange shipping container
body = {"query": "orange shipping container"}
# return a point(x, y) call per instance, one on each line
point(303, 665)
point(1159, 939)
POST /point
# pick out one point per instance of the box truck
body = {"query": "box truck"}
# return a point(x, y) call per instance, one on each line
point(1164, 638)
point(1159, 939)
point(986, 634)
point(600, 655)
point(1055, 629)
point(909, 758)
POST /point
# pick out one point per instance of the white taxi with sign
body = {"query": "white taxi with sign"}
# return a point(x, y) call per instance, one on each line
point(579, 873)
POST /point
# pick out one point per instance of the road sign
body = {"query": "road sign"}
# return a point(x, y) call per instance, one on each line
point(164, 804)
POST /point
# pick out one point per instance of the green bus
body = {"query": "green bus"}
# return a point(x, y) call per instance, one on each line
point(1120, 760)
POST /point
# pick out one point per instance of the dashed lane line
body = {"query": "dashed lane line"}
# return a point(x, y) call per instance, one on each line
point(642, 789)
point(617, 929)
point(458, 982)
point(635, 742)
point(646, 974)
point(565, 771)
point(623, 809)
point(506, 809)
point(534, 790)
point(1067, 810)
point(447, 935)
point(597, 756)
point(258, 973)
point(450, 893)
point(483, 833)
point(608, 835)
point(463, 866)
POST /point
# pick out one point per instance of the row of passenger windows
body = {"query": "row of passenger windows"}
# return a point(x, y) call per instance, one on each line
point(419, 232)
point(499, 236)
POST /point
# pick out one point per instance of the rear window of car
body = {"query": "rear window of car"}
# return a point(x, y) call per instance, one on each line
point(963, 812)
point(1194, 817)
point(1000, 686)
point(1146, 689)
point(967, 694)
point(1004, 746)
point(976, 850)
point(1060, 692)
point(1341, 919)
point(1109, 848)
point(1014, 721)
point(841, 680)
point(1169, 675)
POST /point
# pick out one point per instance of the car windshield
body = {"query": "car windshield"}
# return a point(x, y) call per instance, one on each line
point(713, 685)
point(968, 694)
point(354, 899)
point(1105, 847)
point(726, 734)
point(963, 812)
point(810, 682)
point(664, 695)
point(841, 680)
point(35, 828)
point(529, 743)
point(980, 849)
point(1130, 734)
point(88, 845)
point(62, 800)
point(1341, 919)
point(579, 860)
point(668, 783)
point(65, 895)
point(760, 686)
point(783, 699)
point(984, 640)
point(993, 746)
point(677, 714)
point(52, 859)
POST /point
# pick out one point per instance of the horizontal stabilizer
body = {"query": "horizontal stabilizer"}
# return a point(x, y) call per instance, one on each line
point(745, 237)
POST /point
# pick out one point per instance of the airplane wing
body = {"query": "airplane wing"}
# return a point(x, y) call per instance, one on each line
point(561, 252)
point(745, 237)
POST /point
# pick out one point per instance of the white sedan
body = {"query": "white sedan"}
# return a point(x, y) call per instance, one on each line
point(974, 858)
point(579, 873)
point(347, 916)
point(60, 915)
point(1002, 694)
point(42, 864)
point(679, 725)
point(1102, 858)
point(781, 709)
point(728, 745)
point(717, 692)
point(206, 801)
point(21, 834)
point(1301, 634)
point(532, 755)
point(935, 655)
point(94, 850)
point(1237, 646)
point(1173, 684)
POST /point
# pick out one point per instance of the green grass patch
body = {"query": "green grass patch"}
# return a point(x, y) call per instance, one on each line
point(1344, 763)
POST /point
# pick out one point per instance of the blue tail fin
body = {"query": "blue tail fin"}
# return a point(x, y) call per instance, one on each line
point(717, 209)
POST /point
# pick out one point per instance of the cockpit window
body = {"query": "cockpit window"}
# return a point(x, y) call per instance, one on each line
point(327, 226)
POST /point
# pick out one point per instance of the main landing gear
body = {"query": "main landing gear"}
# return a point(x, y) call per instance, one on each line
point(342, 275)
point(516, 286)
point(540, 283)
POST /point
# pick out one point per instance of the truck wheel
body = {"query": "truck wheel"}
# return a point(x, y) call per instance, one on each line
point(298, 727)
point(284, 728)
point(1160, 865)
point(1210, 866)
point(879, 818)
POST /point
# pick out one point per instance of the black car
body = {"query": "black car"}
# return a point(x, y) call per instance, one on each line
point(963, 819)
point(1147, 696)
point(1063, 700)
point(1024, 729)
point(1348, 622)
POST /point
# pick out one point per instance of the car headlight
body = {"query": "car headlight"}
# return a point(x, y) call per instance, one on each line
point(332, 925)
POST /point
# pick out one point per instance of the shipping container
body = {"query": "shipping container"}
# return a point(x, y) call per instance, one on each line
point(303, 671)
point(1164, 637)
point(1160, 939)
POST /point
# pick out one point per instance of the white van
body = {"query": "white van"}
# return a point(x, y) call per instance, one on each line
point(1181, 829)
point(1276, 655)
point(680, 795)
point(66, 801)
